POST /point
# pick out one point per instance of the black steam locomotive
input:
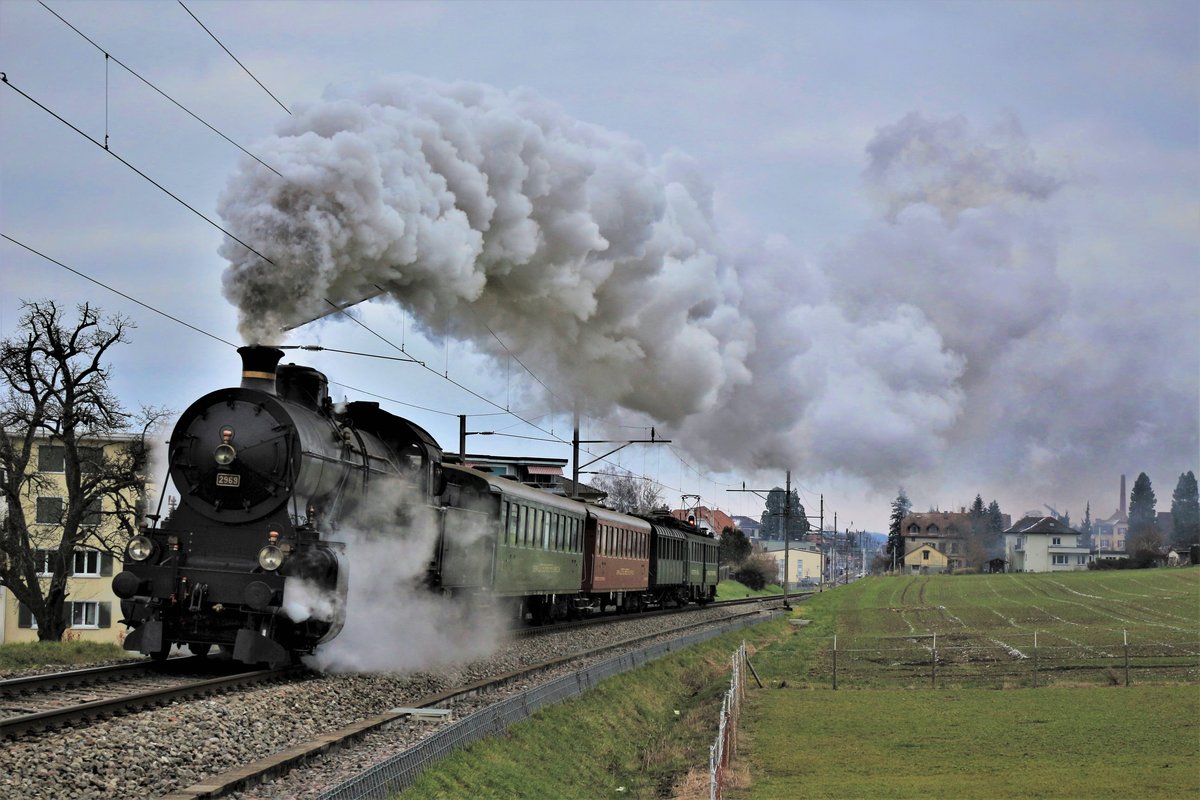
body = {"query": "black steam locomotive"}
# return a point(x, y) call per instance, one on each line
point(269, 471)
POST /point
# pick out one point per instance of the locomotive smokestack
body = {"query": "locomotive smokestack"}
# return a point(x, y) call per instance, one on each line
point(258, 367)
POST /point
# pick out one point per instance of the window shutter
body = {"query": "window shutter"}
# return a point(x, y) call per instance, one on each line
point(106, 564)
point(24, 617)
point(105, 614)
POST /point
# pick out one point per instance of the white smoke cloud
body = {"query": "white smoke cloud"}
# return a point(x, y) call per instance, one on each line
point(474, 207)
point(940, 340)
point(393, 621)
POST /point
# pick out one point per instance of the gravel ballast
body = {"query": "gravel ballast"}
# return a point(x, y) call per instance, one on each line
point(155, 752)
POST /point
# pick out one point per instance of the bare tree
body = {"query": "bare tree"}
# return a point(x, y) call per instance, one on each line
point(58, 406)
point(627, 493)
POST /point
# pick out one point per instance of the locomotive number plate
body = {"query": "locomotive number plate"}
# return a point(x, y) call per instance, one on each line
point(227, 479)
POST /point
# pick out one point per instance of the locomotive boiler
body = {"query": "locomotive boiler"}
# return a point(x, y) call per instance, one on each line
point(267, 472)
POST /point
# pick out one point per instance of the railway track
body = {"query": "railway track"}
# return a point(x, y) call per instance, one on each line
point(282, 762)
point(46, 702)
point(535, 630)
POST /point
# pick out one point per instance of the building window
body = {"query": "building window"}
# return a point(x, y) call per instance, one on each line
point(51, 458)
point(924, 555)
point(932, 530)
point(87, 563)
point(49, 510)
point(914, 528)
point(1056, 541)
point(1060, 558)
point(82, 614)
point(85, 614)
point(41, 560)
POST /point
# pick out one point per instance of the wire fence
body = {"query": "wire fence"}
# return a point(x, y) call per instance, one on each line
point(724, 748)
point(400, 771)
point(971, 660)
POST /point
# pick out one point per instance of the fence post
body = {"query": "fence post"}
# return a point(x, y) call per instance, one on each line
point(1125, 635)
point(835, 662)
point(1035, 660)
point(933, 664)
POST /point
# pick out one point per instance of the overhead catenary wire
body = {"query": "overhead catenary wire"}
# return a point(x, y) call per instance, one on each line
point(444, 376)
point(552, 437)
point(109, 56)
point(235, 58)
point(4, 79)
point(103, 285)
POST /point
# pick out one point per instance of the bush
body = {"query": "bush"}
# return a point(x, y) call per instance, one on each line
point(757, 571)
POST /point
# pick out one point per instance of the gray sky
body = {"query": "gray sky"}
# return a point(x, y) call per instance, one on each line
point(949, 246)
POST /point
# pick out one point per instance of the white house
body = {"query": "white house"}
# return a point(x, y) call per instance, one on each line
point(1043, 544)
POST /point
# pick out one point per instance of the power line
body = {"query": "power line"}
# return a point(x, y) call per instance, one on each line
point(4, 79)
point(146, 306)
point(108, 55)
point(231, 55)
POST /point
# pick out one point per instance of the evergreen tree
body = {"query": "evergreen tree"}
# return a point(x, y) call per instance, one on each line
point(1144, 535)
point(772, 518)
point(1086, 528)
point(735, 547)
point(994, 532)
point(978, 516)
point(895, 544)
point(1185, 511)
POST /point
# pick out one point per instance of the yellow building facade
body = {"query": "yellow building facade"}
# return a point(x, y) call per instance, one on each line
point(91, 607)
point(926, 560)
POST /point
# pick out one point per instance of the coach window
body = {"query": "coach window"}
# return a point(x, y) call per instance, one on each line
point(558, 521)
point(512, 524)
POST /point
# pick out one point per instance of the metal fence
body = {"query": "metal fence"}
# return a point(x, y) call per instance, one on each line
point(966, 659)
point(725, 746)
point(401, 770)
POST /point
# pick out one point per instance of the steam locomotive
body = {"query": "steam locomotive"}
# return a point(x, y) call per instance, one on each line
point(270, 471)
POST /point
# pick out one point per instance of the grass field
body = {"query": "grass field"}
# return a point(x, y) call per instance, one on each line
point(991, 630)
point(891, 736)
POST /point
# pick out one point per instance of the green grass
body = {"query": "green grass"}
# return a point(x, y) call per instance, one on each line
point(986, 627)
point(971, 744)
point(28, 655)
point(636, 735)
point(735, 590)
point(890, 736)
point(897, 738)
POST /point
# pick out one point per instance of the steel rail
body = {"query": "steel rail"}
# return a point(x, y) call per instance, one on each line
point(60, 717)
point(285, 760)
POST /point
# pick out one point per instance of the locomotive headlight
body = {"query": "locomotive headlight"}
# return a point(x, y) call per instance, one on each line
point(224, 454)
point(140, 548)
point(270, 558)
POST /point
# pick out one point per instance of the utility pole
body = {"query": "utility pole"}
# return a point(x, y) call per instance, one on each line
point(787, 525)
point(577, 468)
point(787, 528)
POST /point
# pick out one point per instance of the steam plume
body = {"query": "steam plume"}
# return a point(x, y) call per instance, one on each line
point(928, 343)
